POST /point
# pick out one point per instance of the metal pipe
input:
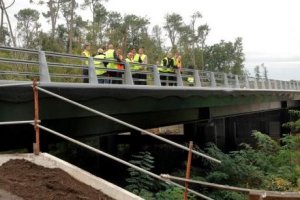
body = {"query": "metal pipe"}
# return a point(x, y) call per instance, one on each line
point(219, 186)
point(36, 148)
point(18, 122)
point(117, 159)
point(188, 171)
point(14, 84)
point(127, 124)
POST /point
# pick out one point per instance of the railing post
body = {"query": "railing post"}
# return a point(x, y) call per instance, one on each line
point(263, 86)
point(269, 84)
point(128, 74)
point(36, 145)
point(43, 68)
point(188, 171)
point(280, 85)
point(213, 80)
point(92, 72)
point(247, 82)
point(225, 80)
point(179, 78)
point(197, 78)
point(297, 85)
point(255, 84)
point(286, 85)
point(275, 84)
point(156, 76)
point(290, 85)
point(237, 83)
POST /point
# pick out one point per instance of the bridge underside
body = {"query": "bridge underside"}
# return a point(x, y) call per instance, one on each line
point(145, 107)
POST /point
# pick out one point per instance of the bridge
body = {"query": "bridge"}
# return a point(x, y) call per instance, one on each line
point(214, 106)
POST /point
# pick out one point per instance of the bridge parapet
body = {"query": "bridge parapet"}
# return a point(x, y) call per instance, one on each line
point(17, 64)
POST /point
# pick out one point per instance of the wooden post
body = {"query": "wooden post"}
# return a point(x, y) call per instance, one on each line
point(188, 170)
point(36, 145)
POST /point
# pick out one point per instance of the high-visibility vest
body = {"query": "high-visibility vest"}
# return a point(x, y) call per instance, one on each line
point(166, 69)
point(178, 63)
point(136, 59)
point(190, 79)
point(109, 54)
point(129, 60)
point(99, 64)
point(87, 54)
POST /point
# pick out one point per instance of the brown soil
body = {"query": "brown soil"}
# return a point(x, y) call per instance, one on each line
point(34, 182)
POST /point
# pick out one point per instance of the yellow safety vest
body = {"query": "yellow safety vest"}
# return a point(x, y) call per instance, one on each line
point(178, 63)
point(109, 54)
point(87, 54)
point(99, 64)
point(166, 69)
point(136, 59)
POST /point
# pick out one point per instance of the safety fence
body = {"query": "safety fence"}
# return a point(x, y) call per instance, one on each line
point(25, 65)
point(37, 126)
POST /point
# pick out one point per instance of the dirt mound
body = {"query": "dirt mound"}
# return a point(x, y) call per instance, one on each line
point(34, 182)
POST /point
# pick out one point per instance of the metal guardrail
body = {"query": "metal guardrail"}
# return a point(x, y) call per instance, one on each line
point(25, 64)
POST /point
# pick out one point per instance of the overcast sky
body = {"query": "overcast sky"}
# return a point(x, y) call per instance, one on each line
point(269, 28)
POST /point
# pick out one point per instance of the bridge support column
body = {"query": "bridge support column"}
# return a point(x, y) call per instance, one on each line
point(201, 133)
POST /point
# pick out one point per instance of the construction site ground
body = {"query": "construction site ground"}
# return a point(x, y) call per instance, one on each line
point(21, 179)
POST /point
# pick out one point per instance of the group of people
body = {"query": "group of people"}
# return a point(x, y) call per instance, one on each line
point(137, 62)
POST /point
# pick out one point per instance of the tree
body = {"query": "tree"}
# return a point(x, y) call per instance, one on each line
point(68, 11)
point(173, 24)
point(203, 31)
point(4, 11)
point(54, 7)
point(134, 28)
point(99, 14)
point(197, 15)
point(225, 57)
point(138, 182)
point(257, 72)
point(28, 25)
point(114, 26)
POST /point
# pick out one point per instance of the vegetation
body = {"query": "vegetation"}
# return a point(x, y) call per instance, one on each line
point(268, 165)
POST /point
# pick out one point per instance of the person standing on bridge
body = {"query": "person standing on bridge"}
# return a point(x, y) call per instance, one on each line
point(129, 58)
point(111, 54)
point(101, 72)
point(168, 68)
point(142, 58)
point(86, 53)
point(178, 60)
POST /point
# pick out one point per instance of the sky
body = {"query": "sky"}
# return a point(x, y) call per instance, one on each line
point(269, 28)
